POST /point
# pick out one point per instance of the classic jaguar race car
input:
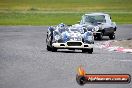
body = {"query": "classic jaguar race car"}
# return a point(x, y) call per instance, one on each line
point(73, 37)
point(100, 24)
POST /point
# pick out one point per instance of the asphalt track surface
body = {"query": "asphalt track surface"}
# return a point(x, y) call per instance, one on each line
point(25, 63)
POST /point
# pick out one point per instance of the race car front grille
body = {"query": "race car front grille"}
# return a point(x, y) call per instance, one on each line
point(74, 43)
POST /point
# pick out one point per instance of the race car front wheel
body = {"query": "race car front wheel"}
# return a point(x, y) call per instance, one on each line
point(90, 51)
point(48, 48)
point(54, 49)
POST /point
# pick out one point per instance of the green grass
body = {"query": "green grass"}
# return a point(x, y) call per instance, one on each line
point(38, 18)
point(17, 18)
point(67, 5)
point(52, 12)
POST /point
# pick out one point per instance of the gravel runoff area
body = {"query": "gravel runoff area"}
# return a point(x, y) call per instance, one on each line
point(123, 43)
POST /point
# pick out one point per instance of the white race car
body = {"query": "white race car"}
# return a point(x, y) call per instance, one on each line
point(73, 37)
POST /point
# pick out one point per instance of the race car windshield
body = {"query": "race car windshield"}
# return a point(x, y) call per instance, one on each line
point(94, 19)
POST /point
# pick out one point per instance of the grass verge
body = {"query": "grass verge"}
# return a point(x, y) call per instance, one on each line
point(42, 18)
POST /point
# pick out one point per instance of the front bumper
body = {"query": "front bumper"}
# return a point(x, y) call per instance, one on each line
point(72, 45)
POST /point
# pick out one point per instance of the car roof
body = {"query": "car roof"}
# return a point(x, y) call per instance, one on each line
point(97, 14)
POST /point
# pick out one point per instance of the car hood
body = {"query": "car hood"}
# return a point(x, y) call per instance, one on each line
point(67, 36)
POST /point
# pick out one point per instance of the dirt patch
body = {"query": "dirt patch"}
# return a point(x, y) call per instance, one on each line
point(123, 43)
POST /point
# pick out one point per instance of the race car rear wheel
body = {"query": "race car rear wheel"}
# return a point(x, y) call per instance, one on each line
point(90, 51)
point(112, 36)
